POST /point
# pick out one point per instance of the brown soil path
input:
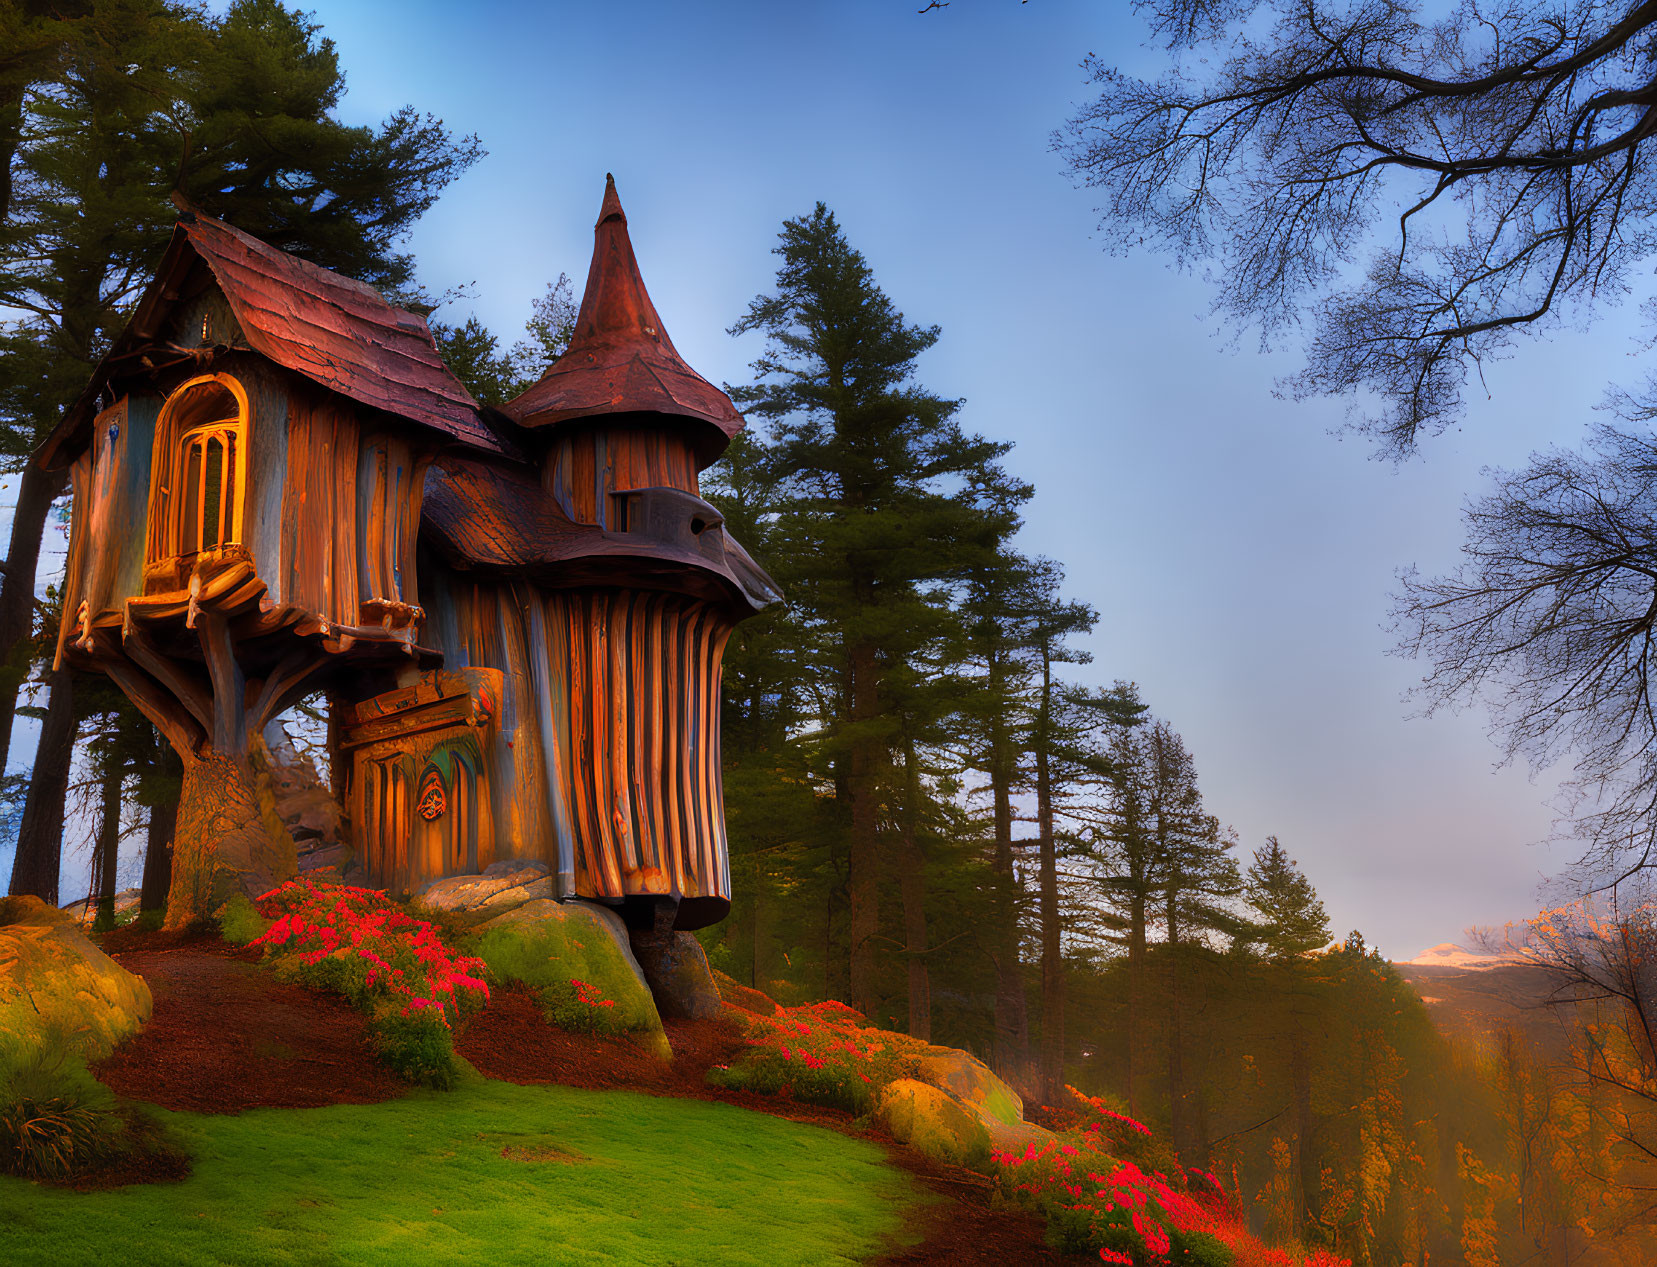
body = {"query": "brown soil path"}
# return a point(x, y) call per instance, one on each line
point(226, 1036)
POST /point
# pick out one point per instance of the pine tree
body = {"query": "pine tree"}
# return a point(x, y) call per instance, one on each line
point(1000, 605)
point(1063, 756)
point(1197, 876)
point(1119, 852)
point(1290, 919)
point(784, 837)
point(1290, 924)
point(474, 355)
point(862, 458)
point(119, 103)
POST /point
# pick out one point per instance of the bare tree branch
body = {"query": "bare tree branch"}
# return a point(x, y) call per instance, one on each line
point(1507, 145)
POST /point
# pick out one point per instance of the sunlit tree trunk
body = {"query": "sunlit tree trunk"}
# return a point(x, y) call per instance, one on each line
point(228, 837)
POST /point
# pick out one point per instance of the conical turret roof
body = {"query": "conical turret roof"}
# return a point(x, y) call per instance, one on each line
point(620, 359)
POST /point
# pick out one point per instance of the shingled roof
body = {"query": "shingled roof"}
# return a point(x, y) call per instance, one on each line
point(620, 359)
point(332, 329)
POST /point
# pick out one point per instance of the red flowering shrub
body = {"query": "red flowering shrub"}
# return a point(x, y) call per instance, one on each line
point(1095, 1201)
point(580, 1007)
point(392, 966)
point(822, 1053)
point(1116, 1133)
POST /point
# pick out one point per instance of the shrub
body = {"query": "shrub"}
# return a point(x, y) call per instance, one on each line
point(416, 1049)
point(60, 1125)
point(395, 968)
point(52, 1137)
point(821, 1053)
point(579, 1007)
point(239, 922)
point(1098, 1202)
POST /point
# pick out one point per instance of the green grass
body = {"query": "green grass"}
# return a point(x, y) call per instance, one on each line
point(590, 1177)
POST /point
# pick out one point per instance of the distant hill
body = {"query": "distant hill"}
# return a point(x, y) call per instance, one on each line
point(1449, 955)
point(1473, 996)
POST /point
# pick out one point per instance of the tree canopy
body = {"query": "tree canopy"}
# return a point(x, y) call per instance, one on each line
point(106, 108)
point(1492, 167)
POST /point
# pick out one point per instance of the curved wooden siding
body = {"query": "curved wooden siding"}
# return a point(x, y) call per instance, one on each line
point(607, 764)
point(638, 757)
point(587, 466)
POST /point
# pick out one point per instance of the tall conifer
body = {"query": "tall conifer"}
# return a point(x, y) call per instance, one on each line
point(111, 107)
point(1290, 924)
point(864, 459)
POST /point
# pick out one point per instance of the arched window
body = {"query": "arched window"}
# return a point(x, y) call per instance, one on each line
point(201, 469)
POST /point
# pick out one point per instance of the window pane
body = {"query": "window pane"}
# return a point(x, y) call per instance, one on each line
point(230, 490)
point(210, 498)
point(189, 519)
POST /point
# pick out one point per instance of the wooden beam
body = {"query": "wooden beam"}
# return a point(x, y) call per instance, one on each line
point(195, 695)
point(287, 682)
point(229, 731)
point(154, 701)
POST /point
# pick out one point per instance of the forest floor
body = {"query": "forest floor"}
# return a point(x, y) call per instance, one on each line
point(227, 1037)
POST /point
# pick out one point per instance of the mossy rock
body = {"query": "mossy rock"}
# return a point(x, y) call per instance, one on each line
point(502, 886)
point(547, 945)
point(933, 1121)
point(57, 988)
point(970, 1080)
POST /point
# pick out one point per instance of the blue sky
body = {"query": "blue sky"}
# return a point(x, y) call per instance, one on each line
point(1239, 554)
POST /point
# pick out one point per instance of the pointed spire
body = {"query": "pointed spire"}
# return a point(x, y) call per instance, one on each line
point(612, 203)
point(620, 359)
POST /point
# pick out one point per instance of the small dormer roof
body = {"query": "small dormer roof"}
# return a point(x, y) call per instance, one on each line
point(620, 359)
point(332, 329)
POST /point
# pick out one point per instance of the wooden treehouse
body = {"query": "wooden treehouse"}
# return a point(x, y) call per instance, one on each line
point(517, 616)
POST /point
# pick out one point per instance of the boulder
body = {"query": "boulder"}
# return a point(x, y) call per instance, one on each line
point(502, 886)
point(971, 1081)
point(677, 969)
point(84, 910)
point(933, 1121)
point(57, 988)
point(549, 945)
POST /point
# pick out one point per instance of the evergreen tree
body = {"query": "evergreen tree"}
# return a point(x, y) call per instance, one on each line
point(1119, 851)
point(1198, 876)
point(1290, 924)
point(1063, 756)
point(1290, 919)
point(117, 104)
point(863, 459)
point(999, 607)
point(474, 355)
